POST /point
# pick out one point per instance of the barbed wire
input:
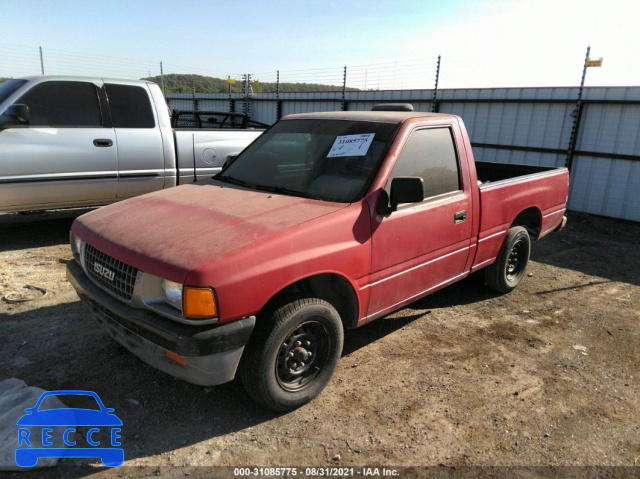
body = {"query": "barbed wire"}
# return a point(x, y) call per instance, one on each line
point(400, 74)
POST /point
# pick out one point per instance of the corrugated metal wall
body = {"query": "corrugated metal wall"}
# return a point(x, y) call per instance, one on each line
point(508, 125)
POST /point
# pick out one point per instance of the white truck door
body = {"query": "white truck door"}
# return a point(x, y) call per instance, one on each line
point(141, 160)
point(64, 157)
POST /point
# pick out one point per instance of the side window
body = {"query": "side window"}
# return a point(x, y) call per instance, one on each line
point(130, 106)
point(63, 104)
point(430, 154)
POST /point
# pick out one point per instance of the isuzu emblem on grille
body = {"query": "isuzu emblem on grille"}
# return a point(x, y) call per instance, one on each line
point(104, 271)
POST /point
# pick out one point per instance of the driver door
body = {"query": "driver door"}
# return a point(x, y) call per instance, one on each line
point(421, 247)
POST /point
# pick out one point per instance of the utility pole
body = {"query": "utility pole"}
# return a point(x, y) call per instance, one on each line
point(41, 61)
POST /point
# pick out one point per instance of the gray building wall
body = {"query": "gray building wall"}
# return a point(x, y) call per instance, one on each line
point(508, 125)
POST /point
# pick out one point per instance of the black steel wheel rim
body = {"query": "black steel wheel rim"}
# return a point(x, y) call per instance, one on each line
point(516, 260)
point(302, 356)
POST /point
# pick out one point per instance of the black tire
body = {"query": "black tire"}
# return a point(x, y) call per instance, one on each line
point(293, 353)
point(510, 265)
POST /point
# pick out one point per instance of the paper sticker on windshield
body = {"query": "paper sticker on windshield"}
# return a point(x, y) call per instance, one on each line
point(351, 145)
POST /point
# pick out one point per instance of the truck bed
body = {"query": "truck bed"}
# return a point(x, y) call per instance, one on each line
point(207, 150)
point(507, 191)
point(489, 172)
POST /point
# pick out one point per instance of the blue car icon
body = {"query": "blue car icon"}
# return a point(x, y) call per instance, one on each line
point(69, 418)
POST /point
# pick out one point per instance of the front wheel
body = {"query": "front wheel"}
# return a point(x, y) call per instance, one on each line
point(292, 354)
point(510, 265)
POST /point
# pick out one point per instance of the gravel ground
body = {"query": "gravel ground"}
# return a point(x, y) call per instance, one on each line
point(544, 376)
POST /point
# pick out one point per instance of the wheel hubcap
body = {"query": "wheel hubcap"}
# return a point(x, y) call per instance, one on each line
point(302, 356)
point(515, 260)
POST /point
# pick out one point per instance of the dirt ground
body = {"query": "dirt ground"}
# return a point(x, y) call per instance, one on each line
point(544, 376)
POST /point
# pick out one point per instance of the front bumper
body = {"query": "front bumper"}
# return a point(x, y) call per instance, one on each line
point(211, 353)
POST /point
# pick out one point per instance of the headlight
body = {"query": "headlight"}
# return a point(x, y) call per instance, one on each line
point(189, 304)
point(172, 293)
point(76, 247)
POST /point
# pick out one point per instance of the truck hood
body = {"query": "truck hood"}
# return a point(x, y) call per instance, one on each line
point(169, 233)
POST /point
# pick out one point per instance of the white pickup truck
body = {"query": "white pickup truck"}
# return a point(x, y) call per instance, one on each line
point(79, 141)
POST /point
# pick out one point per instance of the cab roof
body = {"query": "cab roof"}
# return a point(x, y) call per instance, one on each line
point(377, 116)
point(70, 78)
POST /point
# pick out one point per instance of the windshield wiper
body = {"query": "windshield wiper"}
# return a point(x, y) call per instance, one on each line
point(233, 181)
point(281, 190)
point(274, 189)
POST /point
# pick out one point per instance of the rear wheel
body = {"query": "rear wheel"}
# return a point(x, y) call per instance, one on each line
point(292, 353)
point(510, 265)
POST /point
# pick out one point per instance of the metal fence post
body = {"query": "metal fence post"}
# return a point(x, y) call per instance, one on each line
point(434, 102)
point(41, 61)
point(278, 104)
point(195, 101)
point(247, 94)
point(344, 89)
point(577, 114)
point(162, 78)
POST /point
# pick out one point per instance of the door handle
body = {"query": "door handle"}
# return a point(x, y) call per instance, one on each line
point(460, 216)
point(102, 142)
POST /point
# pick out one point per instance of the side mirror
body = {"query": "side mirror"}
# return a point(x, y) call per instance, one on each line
point(231, 157)
point(15, 115)
point(407, 189)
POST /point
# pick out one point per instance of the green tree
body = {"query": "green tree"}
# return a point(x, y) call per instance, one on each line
point(186, 83)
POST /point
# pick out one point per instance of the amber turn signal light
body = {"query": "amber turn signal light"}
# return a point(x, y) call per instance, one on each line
point(176, 357)
point(198, 303)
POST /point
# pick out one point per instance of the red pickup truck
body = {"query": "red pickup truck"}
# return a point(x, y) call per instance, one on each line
point(326, 221)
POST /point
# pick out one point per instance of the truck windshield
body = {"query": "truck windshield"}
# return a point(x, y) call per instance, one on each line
point(330, 160)
point(8, 87)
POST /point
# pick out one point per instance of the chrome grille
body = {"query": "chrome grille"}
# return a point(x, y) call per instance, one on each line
point(110, 274)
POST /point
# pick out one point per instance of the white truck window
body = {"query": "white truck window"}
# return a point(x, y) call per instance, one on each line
point(8, 87)
point(63, 104)
point(130, 106)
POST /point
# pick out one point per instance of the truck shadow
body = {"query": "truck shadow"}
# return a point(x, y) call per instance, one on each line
point(469, 290)
point(65, 349)
point(35, 230)
point(60, 347)
point(596, 246)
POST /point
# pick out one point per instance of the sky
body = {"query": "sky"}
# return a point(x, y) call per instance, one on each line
point(385, 44)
